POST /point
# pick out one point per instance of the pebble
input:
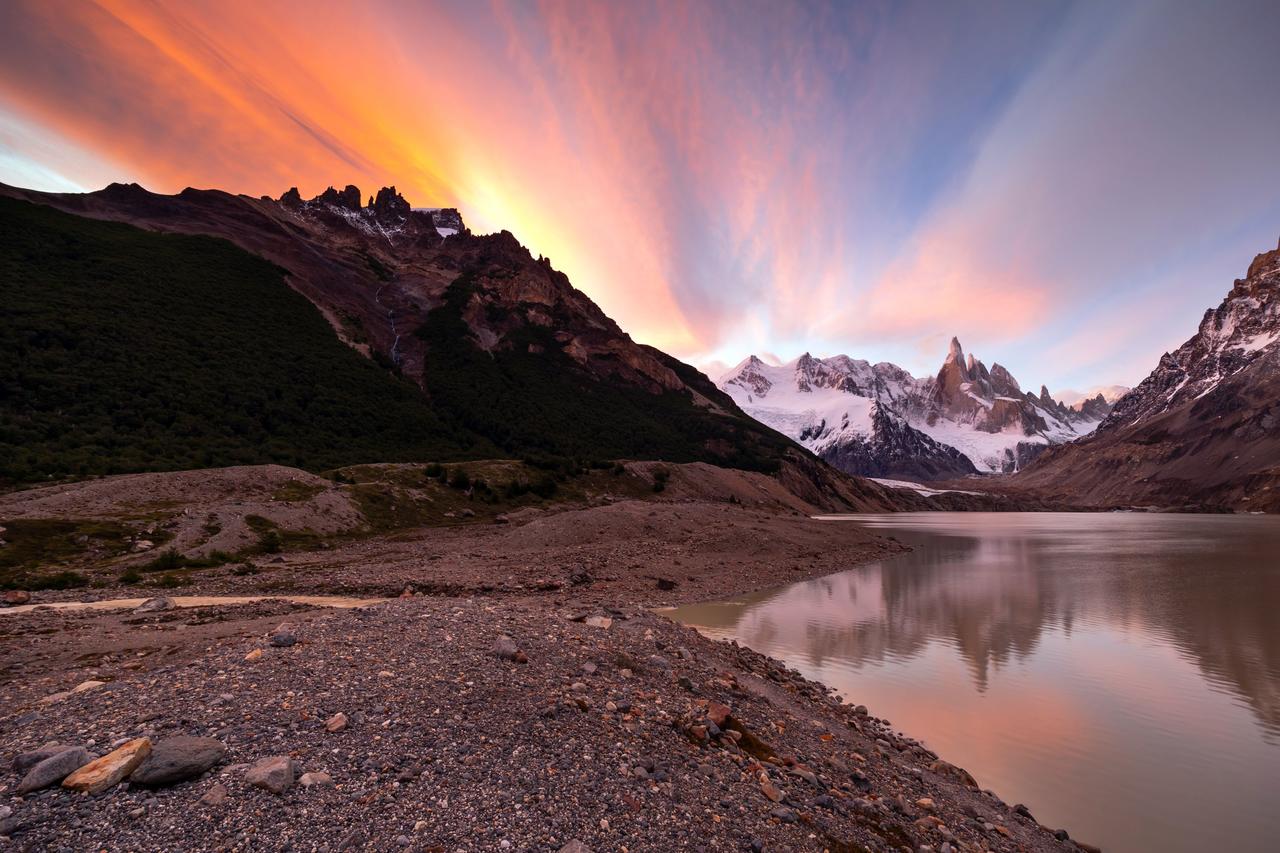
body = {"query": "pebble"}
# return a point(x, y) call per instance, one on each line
point(274, 773)
point(336, 723)
point(215, 796)
point(316, 780)
point(254, 655)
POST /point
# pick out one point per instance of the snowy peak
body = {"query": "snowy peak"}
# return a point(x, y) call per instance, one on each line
point(1202, 430)
point(869, 419)
point(1243, 331)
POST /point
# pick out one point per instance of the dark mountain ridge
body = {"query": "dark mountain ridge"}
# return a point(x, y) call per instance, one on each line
point(501, 354)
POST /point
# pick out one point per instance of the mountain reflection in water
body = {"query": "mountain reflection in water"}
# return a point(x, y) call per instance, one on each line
point(1077, 662)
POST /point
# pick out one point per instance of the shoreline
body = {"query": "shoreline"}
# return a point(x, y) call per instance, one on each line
point(610, 733)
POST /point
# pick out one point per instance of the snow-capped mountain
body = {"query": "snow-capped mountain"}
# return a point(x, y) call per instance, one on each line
point(880, 421)
point(1203, 429)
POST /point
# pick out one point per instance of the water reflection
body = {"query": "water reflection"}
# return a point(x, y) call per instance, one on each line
point(1073, 639)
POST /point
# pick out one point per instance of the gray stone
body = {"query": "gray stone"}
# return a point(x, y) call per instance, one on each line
point(24, 761)
point(178, 759)
point(155, 605)
point(274, 773)
point(575, 846)
point(506, 648)
point(54, 769)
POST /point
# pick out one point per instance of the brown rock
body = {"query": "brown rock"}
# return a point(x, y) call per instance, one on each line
point(254, 655)
point(718, 712)
point(770, 790)
point(274, 773)
point(316, 780)
point(15, 597)
point(336, 723)
point(215, 796)
point(957, 774)
point(99, 775)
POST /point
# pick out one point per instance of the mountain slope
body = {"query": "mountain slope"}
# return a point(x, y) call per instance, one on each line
point(473, 346)
point(123, 350)
point(880, 421)
point(1202, 430)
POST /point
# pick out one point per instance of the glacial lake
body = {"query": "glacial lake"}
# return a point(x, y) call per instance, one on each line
point(1118, 673)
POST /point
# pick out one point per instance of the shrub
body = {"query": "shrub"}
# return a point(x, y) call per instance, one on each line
point(61, 580)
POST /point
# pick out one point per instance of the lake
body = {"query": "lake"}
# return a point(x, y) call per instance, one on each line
point(1119, 673)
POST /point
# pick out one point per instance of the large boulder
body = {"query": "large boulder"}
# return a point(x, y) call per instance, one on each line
point(24, 761)
point(54, 768)
point(155, 605)
point(178, 759)
point(99, 775)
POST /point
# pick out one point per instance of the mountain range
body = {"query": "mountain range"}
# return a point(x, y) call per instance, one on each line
point(154, 332)
point(1202, 430)
point(134, 342)
point(877, 420)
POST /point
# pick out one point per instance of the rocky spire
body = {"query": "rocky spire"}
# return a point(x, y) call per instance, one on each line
point(348, 198)
point(389, 204)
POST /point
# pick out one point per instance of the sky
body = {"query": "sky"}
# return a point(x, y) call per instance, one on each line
point(1065, 186)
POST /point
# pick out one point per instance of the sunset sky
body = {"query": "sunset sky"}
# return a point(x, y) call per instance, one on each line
point(1065, 186)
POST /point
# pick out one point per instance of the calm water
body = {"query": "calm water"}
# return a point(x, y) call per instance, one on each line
point(1119, 674)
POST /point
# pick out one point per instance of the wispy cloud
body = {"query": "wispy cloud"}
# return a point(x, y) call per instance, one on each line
point(722, 178)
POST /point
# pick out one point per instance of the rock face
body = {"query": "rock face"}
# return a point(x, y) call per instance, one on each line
point(178, 759)
point(102, 773)
point(880, 421)
point(1202, 430)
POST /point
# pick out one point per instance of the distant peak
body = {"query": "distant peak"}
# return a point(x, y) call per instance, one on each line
point(957, 352)
point(389, 203)
point(348, 198)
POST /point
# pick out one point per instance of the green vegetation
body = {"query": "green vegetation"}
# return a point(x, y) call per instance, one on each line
point(125, 350)
point(295, 491)
point(171, 560)
point(35, 546)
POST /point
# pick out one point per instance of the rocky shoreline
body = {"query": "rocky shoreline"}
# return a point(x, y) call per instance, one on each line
point(516, 717)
